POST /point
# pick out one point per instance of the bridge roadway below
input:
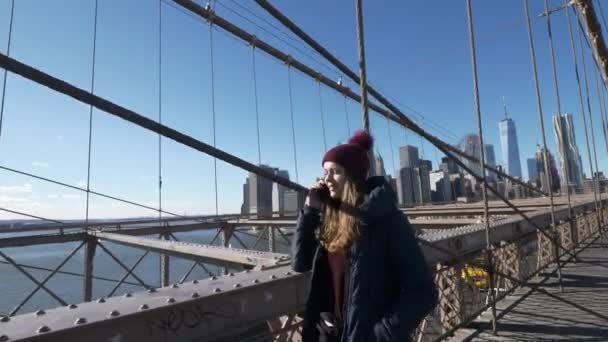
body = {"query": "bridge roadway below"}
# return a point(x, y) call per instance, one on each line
point(579, 313)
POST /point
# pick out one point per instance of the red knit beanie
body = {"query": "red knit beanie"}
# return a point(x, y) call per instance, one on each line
point(353, 156)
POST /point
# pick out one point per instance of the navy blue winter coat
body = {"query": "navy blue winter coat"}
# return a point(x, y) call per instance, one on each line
point(390, 286)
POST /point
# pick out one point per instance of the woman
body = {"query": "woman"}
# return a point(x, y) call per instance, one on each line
point(369, 280)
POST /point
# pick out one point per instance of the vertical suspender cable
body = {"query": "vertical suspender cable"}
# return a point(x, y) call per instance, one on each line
point(601, 105)
point(8, 53)
point(541, 120)
point(91, 112)
point(293, 127)
point(482, 162)
point(362, 72)
point(582, 109)
point(322, 116)
point(565, 161)
point(600, 99)
point(390, 140)
point(346, 115)
point(213, 109)
point(257, 110)
point(596, 175)
point(160, 108)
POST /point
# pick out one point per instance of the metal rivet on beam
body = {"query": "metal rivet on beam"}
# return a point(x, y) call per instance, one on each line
point(40, 312)
point(195, 281)
point(216, 290)
point(213, 278)
point(231, 274)
point(255, 281)
point(5, 319)
point(3, 338)
point(151, 290)
point(80, 321)
point(287, 273)
point(195, 295)
point(128, 295)
point(114, 313)
point(101, 300)
point(143, 307)
point(170, 300)
point(247, 271)
point(236, 286)
point(72, 306)
point(43, 329)
point(174, 286)
point(273, 277)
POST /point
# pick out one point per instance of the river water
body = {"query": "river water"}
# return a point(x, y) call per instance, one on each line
point(14, 286)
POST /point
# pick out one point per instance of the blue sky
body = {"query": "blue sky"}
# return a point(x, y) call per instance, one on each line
point(417, 54)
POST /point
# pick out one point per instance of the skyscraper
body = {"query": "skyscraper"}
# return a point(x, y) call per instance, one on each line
point(278, 193)
point(448, 165)
point(544, 179)
point(405, 186)
point(567, 151)
point(260, 194)
point(422, 186)
point(509, 146)
point(441, 188)
point(471, 145)
point(490, 159)
point(532, 169)
point(380, 171)
point(408, 156)
point(427, 164)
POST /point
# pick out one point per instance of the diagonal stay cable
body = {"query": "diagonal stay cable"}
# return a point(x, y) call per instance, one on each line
point(137, 119)
point(405, 121)
point(44, 281)
point(109, 107)
point(393, 113)
point(49, 180)
point(5, 72)
point(30, 277)
point(31, 216)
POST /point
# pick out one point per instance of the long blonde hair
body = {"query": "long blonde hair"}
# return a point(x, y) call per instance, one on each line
point(340, 227)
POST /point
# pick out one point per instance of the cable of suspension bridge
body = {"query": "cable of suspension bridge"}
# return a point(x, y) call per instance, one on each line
point(398, 117)
point(213, 123)
point(582, 109)
point(393, 112)
point(564, 160)
point(541, 121)
point(5, 72)
point(322, 116)
point(90, 141)
point(482, 162)
point(160, 108)
point(255, 97)
point(137, 119)
point(362, 71)
point(600, 98)
point(293, 127)
point(346, 116)
point(599, 72)
point(390, 141)
point(589, 111)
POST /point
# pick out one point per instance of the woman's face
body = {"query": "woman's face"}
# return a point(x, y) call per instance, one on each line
point(335, 177)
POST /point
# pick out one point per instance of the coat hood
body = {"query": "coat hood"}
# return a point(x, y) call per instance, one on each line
point(379, 200)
